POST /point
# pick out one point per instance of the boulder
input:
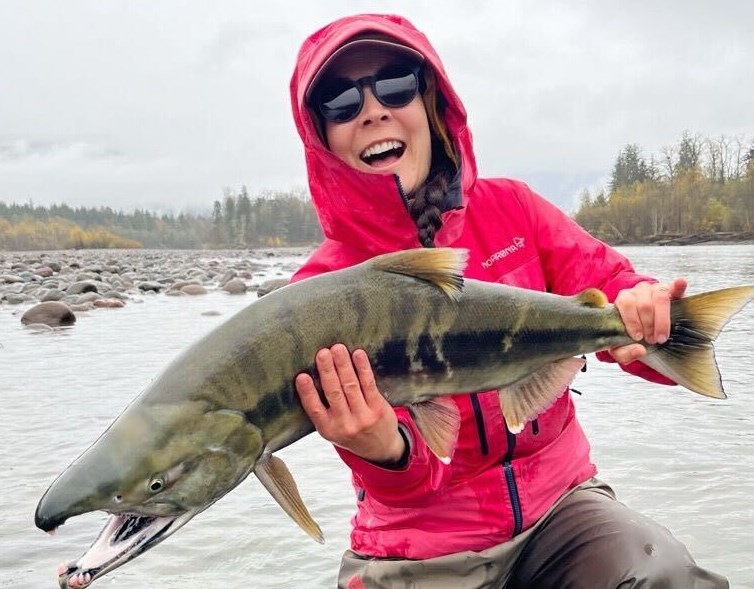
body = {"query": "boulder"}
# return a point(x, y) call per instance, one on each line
point(52, 313)
point(235, 286)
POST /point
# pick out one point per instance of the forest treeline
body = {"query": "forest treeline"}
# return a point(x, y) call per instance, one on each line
point(237, 220)
point(699, 186)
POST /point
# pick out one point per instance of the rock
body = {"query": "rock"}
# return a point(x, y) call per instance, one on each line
point(109, 303)
point(194, 289)
point(44, 272)
point(87, 297)
point(235, 286)
point(151, 286)
point(10, 278)
point(270, 285)
point(17, 299)
point(53, 295)
point(81, 287)
point(227, 277)
point(52, 313)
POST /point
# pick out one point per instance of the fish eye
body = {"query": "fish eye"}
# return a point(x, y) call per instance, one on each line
point(156, 484)
point(117, 498)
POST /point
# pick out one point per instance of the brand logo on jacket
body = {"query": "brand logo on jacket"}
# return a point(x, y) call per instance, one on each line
point(518, 244)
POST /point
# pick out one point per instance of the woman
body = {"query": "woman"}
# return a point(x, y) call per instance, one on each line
point(391, 167)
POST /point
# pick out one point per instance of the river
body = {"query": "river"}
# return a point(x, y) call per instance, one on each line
point(684, 460)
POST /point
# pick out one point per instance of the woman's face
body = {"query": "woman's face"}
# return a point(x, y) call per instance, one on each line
point(381, 140)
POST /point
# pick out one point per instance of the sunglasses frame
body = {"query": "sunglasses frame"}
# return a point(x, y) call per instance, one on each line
point(415, 69)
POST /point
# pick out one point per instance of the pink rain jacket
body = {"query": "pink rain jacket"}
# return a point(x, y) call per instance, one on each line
point(497, 484)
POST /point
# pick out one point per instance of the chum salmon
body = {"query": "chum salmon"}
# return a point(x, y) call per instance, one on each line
point(220, 410)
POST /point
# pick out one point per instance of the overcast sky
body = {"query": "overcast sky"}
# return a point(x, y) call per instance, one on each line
point(164, 104)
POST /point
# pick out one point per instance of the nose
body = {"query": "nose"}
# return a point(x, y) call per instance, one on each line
point(373, 110)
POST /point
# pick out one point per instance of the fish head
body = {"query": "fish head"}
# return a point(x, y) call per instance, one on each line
point(153, 470)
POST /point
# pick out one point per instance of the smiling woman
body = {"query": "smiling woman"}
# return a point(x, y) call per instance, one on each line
point(383, 128)
point(391, 167)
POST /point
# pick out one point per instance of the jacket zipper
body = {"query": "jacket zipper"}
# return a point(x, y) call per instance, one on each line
point(480, 424)
point(510, 481)
point(402, 193)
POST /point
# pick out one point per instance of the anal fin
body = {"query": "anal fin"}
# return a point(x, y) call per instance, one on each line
point(438, 421)
point(277, 479)
point(524, 400)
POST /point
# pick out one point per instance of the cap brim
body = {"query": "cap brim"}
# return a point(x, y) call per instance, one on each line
point(376, 45)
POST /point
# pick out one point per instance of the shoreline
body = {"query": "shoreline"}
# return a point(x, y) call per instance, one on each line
point(715, 238)
point(87, 279)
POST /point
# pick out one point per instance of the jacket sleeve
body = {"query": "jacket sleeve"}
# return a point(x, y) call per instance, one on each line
point(573, 261)
point(423, 474)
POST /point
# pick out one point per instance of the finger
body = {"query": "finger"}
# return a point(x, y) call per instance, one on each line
point(627, 354)
point(372, 394)
point(330, 382)
point(677, 288)
point(348, 379)
point(661, 303)
point(626, 305)
point(645, 307)
point(310, 401)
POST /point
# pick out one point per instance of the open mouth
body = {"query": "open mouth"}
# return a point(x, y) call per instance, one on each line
point(124, 537)
point(383, 153)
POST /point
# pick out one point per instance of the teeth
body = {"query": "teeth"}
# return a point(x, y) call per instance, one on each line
point(379, 148)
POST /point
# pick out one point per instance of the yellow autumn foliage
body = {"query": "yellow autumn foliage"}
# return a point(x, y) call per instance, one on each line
point(57, 233)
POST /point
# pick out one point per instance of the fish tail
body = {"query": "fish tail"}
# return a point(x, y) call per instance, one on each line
point(688, 357)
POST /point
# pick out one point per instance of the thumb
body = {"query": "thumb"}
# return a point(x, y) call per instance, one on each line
point(677, 288)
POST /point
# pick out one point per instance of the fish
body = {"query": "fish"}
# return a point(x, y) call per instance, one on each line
point(220, 410)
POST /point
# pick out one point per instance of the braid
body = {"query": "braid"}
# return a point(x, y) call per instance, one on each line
point(425, 208)
point(426, 201)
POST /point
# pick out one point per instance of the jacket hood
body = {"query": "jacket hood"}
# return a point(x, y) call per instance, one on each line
point(364, 210)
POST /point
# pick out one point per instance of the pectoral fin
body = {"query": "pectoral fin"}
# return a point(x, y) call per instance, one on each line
point(277, 479)
point(438, 421)
point(527, 398)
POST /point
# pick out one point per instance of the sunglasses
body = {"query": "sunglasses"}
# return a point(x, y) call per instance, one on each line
point(340, 100)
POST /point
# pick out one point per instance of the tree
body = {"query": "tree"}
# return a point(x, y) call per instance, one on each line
point(629, 168)
point(689, 152)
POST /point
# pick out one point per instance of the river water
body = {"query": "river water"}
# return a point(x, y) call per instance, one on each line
point(682, 459)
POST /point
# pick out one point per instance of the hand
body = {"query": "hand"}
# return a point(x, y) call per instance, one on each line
point(645, 310)
point(358, 418)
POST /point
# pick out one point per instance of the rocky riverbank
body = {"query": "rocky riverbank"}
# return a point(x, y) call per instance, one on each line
point(716, 237)
point(83, 280)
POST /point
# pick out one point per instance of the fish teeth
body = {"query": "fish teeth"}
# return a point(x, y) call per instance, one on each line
point(381, 147)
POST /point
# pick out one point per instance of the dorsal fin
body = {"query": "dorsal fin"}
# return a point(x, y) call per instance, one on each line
point(442, 266)
point(592, 297)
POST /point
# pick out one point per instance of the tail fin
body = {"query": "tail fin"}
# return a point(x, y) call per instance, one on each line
point(688, 357)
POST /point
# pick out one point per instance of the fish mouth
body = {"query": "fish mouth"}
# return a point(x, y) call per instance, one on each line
point(124, 537)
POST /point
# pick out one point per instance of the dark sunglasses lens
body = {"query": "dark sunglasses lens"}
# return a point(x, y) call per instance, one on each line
point(340, 102)
point(396, 87)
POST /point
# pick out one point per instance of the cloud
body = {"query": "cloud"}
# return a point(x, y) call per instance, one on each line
point(170, 102)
